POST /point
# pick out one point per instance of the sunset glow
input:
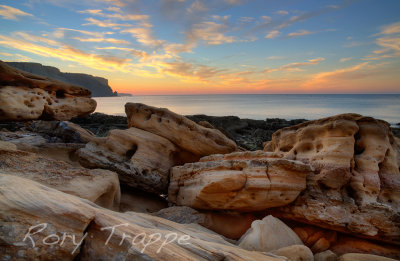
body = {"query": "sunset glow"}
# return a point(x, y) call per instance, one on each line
point(209, 47)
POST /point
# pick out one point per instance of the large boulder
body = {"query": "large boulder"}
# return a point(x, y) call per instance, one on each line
point(363, 257)
point(181, 131)
point(269, 234)
point(356, 184)
point(142, 159)
point(241, 181)
point(41, 223)
point(25, 96)
point(97, 185)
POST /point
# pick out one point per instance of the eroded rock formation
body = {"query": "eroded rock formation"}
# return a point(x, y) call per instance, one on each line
point(97, 185)
point(356, 184)
point(181, 131)
point(142, 159)
point(242, 181)
point(25, 96)
point(33, 215)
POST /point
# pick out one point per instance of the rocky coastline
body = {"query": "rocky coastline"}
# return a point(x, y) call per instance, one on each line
point(156, 185)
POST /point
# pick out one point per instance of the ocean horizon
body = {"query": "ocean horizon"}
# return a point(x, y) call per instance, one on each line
point(262, 106)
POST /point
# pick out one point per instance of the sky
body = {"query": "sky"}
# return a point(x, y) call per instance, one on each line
point(212, 46)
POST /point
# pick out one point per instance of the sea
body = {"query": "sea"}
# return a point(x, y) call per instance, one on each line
point(262, 106)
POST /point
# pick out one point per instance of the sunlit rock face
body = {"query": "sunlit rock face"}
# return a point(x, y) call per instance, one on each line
point(184, 133)
point(25, 96)
point(241, 181)
point(356, 184)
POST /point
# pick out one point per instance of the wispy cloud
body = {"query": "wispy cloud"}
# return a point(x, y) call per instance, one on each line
point(11, 13)
point(272, 34)
point(64, 52)
point(345, 59)
point(282, 12)
point(210, 33)
point(300, 33)
point(135, 52)
point(295, 67)
point(105, 23)
point(389, 41)
point(145, 36)
point(101, 40)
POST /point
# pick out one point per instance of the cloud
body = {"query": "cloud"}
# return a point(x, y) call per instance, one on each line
point(345, 59)
point(210, 33)
point(295, 67)
point(137, 53)
point(119, 3)
point(389, 41)
point(96, 34)
point(91, 11)
point(105, 23)
point(190, 71)
point(145, 36)
point(65, 52)
point(101, 40)
point(272, 34)
point(275, 57)
point(300, 33)
point(282, 12)
point(11, 13)
point(117, 15)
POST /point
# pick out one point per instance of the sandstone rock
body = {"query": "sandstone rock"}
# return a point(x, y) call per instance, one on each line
point(325, 256)
point(228, 224)
point(40, 223)
point(356, 184)
point(363, 257)
point(141, 159)
point(241, 181)
point(24, 96)
point(181, 131)
point(295, 253)
point(98, 186)
point(267, 235)
point(140, 201)
point(318, 240)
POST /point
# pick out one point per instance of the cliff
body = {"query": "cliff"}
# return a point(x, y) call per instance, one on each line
point(97, 85)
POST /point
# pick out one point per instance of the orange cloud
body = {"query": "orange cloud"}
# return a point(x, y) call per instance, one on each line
point(101, 40)
point(11, 13)
point(295, 67)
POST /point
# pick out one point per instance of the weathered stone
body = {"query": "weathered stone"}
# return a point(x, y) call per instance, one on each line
point(267, 235)
point(318, 240)
point(54, 217)
point(295, 253)
point(98, 186)
point(356, 184)
point(363, 257)
point(228, 224)
point(25, 96)
point(241, 181)
point(325, 256)
point(140, 201)
point(141, 159)
point(181, 131)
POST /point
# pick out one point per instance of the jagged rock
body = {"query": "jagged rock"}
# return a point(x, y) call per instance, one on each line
point(269, 234)
point(142, 159)
point(99, 186)
point(325, 256)
point(363, 257)
point(25, 96)
point(295, 253)
point(241, 181)
point(97, 85)
point(181, 131)
point(41, 223)
point(228, 224)
point(356, 184)
point(318, 240)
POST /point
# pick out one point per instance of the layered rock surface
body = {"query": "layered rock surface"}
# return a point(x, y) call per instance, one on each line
point(25, 96)
point(99, 186)
point(181, 131)
point(356, 184)
point(141, 159)
point(241, 181)
point(38, 222)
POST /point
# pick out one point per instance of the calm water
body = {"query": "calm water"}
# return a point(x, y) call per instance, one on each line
point(286, 106)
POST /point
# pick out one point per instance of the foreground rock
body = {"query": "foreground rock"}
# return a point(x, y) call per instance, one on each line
point(98, 186)
point(181, 131)
point(356, 184)
point(269, 234)
point(141, 159)
point(241, 181)
point(25, 96)
point(40, 223)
